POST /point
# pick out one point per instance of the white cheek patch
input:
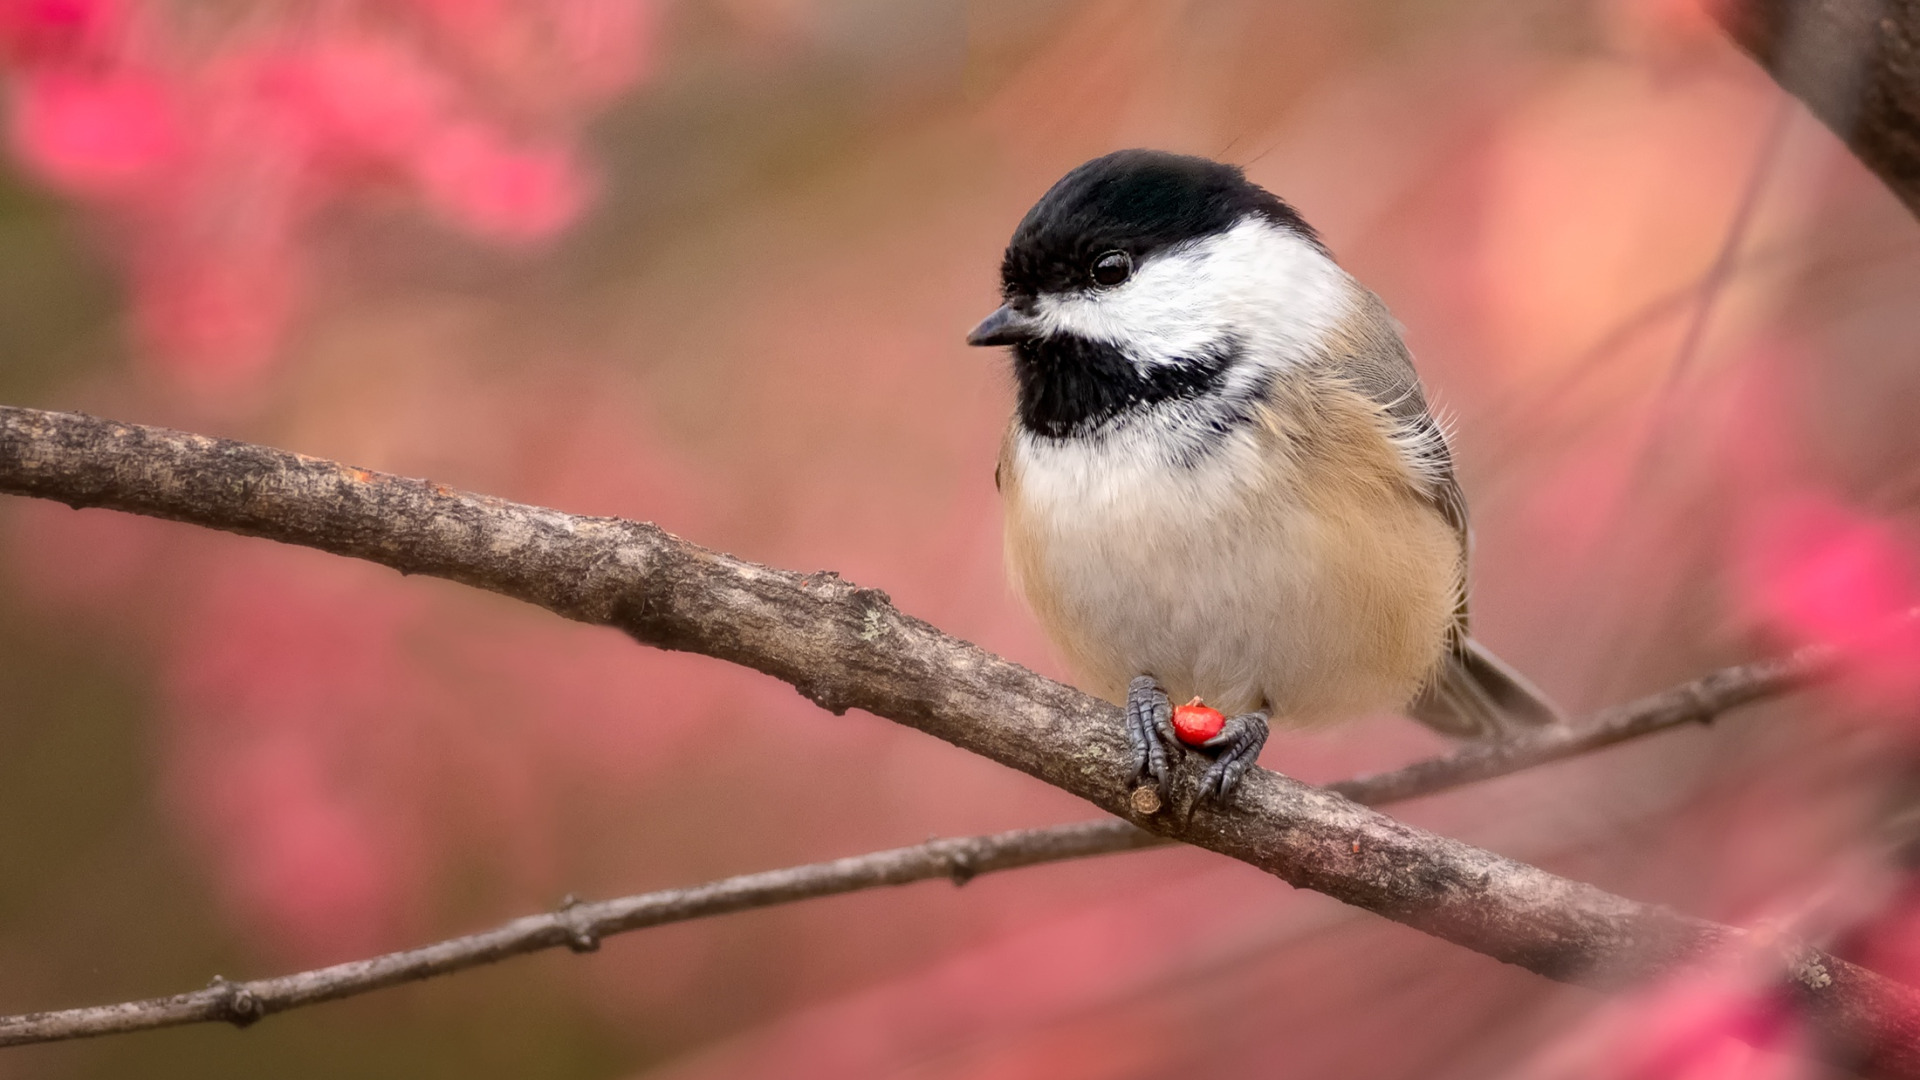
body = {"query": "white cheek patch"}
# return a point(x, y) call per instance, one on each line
point(1258, 284)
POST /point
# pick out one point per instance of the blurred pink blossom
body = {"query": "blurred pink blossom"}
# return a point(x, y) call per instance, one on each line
point(364, 101)
point(52, 31)
point(98, 137)
point(212, 161)
point(288, 691)
point(492, 189)
point(1819, 570)
point(316, 873)
point(1806, 562)
point(1706, 1025)
point(561, 55)
point(1082, 994)
point(217, 312)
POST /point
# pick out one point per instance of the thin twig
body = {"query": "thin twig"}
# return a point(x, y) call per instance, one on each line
point(848, 647)
point(1697, 702)
point(1726, 260)
point(582, 926)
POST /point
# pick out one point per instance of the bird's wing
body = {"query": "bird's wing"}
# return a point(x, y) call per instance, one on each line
point(1473, 693)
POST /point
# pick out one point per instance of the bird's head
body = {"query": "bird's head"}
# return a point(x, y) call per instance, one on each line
point(1143, 276)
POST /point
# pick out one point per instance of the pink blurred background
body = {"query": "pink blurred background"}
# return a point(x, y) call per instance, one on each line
point(709, 263)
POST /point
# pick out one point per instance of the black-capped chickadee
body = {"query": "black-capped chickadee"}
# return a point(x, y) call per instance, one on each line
point(1222, 479)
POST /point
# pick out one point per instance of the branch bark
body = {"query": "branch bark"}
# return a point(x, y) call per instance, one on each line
point(582, 926)
point(847, 647)
point(1856, 65)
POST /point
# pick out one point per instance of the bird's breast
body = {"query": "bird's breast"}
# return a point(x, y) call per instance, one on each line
point(1267, 573)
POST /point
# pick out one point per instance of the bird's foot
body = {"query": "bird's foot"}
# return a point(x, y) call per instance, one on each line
point(1149, 729)
point(1236, 748)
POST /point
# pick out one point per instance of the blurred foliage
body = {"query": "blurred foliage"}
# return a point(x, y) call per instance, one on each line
point(222, 756)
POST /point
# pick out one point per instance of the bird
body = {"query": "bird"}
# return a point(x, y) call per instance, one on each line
point(1221, 478)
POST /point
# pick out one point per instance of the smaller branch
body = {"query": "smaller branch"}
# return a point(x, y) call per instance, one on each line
point(582, 926)
point(1701, 701)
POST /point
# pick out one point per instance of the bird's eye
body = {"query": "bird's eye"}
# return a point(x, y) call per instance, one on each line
point(1112, 268)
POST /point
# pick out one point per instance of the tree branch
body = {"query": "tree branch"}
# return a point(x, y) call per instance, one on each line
point(848, 647)
point(581, 926)
point(1856, 65)
point(1700, 701)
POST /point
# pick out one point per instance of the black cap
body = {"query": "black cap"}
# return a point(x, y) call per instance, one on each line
point(1136, 201)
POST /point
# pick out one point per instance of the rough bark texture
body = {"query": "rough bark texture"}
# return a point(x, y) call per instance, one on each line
point(1856, 65)
point(847, 647)
point(582, 926)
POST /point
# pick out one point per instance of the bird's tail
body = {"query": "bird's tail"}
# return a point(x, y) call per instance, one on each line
point(1475, 695)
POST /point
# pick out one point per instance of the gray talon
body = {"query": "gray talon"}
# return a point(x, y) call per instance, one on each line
point(1239, 746)
point(1149, 728)
point(1163, 724)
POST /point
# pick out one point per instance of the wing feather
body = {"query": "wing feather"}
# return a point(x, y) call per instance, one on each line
point(1472, 692)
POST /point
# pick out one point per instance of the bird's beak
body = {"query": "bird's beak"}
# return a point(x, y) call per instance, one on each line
point(1004, 327)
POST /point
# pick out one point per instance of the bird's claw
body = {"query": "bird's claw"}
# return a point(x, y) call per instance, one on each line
point(1238, 747)
point(1152, 740)
point(1149, 729)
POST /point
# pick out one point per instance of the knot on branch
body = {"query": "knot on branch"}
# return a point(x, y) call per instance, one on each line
point(1804, 965)
point(838, 588)
point(239, 1006)
point(822, 693)
point(961, 867)
point(1703, 707)
point(1810, 972)
point(580, 938)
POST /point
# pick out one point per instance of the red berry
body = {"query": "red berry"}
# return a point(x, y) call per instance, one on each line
point(1195, 723)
